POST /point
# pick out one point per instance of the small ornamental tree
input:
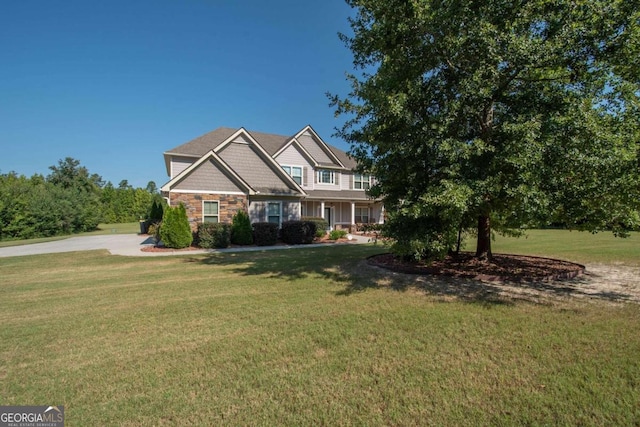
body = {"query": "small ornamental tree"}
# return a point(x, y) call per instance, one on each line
point(175, 231)
point(157, 209)
point(241, 231)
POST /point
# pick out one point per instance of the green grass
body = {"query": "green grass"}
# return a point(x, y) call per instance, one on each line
point(120, 228)
point(301, 337)
point(574, 246)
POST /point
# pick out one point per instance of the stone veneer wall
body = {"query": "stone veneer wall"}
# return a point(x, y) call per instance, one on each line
point(227, 207)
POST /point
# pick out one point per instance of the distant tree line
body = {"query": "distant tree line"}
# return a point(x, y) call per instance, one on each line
point(68, 200)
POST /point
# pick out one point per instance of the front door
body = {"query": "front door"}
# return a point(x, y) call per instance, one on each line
point(327, 217)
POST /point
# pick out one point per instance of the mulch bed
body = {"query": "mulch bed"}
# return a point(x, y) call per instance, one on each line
point(152, 248)
point(507, 268)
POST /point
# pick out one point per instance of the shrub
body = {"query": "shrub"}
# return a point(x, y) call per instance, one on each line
point(370, 228)
point(154, 230)
point(241, 232)
point(157, 209)
point(298, 232)
point(213, 235)
point(337, 234)
point(321, 225)
point(265, 233)
point(175, 231)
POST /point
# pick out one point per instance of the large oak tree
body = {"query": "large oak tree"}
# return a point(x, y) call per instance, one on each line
point(495, 114)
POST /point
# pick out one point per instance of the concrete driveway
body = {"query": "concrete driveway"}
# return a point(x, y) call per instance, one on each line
point(117, 244)
point(125, 244)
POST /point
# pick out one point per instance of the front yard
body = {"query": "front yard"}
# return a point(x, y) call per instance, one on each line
point(303, 337)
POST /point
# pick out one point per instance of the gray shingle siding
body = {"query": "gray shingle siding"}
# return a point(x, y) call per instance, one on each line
point(313, 148)
point(246, 162)
point(208, 177)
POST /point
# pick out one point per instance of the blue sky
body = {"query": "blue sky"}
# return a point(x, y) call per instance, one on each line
point(115, 83)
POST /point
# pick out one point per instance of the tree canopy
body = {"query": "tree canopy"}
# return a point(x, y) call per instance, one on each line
point(69, 200)
point(495, 114)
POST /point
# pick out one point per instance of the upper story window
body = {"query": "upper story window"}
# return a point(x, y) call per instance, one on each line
point(326, 177)
point(361, 181)
point(294, 172)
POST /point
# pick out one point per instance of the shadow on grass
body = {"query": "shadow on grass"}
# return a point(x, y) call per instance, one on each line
point(347, 266)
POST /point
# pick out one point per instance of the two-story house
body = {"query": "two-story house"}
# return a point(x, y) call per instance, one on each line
point(274, 178)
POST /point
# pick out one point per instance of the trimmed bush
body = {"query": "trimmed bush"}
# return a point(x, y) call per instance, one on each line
point(265, 233)
point(241, 231)
point(298, 232)
point(154, 230)
point(175, 231)
point(337, 234)
point(213, 235)
point(370, 228)
point(321, 225)
point(157, 209)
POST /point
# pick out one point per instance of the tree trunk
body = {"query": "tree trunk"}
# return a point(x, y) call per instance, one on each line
point(483, 246)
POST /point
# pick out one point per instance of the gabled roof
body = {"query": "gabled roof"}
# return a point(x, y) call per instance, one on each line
point(319, 143)
point(240, 156)
point(272, 144)
point(218, 162)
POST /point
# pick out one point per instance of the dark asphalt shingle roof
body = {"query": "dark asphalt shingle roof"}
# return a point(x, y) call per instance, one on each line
point(270, 142)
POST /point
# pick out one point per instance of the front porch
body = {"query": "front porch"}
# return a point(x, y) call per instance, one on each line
point(344, 214)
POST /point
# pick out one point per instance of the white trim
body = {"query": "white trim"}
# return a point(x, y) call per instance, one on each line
point(226, 193)
point(167, 160)
point(323, 145)
point(210, 201)
point(264, 155)
point(266, 211)
point(284, 165)
point(221, 163)
point(299, 146)
point(353, 212)
point(362, 181)
point(368, 208)
point(332, 177)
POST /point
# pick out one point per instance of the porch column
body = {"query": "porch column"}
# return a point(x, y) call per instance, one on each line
point(353, 213)
point(322, 210)
point(381, 219)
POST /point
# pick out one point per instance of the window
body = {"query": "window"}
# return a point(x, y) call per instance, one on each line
point(362, 215)
point(294, 172)
point(361, 182)
point(210, 211)
point(274, 212)
point(326, 177)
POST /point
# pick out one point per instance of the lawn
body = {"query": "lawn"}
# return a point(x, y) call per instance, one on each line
point(582, 247)
point(301, 337)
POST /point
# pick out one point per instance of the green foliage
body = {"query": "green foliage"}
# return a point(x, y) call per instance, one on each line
point(175, 231)
point(337, 234)
point(321, 225)
point(35, 207)
point(154, 230)
point(127, 204)
point(371, 228)
point(241, 232)
point(298, 232)
point(213, 235)
point(69, 200)
point(525, 113)
point(156, 211)
point(265, 233)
